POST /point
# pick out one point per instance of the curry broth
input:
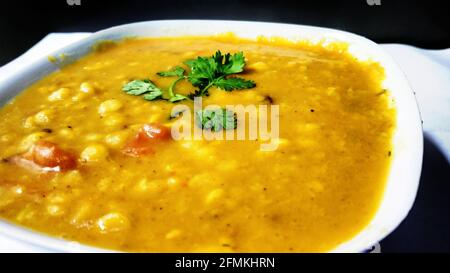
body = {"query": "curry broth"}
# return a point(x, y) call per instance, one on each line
point(318, 189)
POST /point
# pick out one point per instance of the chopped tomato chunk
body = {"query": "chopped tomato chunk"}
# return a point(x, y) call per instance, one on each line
point(147, 138)
point(46, 156)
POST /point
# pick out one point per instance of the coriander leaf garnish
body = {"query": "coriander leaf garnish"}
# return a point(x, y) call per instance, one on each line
point(139, 87)
point(216, 119)
point(231, 64)
point(207, 72)
point(204, 73)
point(177, 97)
point(153, 95)
point(170, 91)
point(177, 71)
point(229, 84)
point(151, 91)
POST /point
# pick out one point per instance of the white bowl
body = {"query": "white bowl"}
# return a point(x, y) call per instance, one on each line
point(403, 179)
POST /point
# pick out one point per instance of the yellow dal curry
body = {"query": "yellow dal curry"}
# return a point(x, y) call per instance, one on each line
point(318, 189)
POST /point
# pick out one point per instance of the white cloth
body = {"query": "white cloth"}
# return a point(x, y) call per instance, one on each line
point(428, 72)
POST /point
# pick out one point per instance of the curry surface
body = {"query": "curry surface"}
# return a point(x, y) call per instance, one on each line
point(317, 190)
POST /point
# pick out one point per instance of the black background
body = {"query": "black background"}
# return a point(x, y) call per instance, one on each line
point(423, 23)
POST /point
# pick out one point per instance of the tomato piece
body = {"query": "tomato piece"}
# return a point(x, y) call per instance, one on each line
point(154, 131)
point(137, 150)
point(49, 157)
point(146, 139)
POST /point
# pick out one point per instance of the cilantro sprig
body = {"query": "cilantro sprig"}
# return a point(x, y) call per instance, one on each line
point(139, 87)
point(151, 91)
point(204, 73)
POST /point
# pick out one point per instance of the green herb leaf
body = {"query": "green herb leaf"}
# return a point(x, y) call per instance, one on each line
point(153, 95)
point(207, 72)
point(216, 119)
point(203, 71)
point(173, 97)
point(139, 87)
point(177, 97)
point(151, 91)
point(176, 72)
point(229, 84)
point(233, 64)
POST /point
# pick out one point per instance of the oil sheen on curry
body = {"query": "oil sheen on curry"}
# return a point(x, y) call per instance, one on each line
point(84, 161)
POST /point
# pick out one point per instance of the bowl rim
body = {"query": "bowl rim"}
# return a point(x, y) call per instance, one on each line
point(40, 239)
